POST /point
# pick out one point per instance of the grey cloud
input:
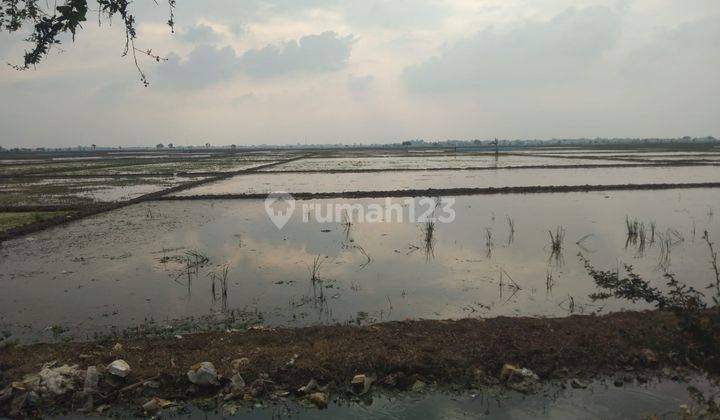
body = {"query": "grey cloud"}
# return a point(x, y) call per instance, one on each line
point(358, 13)
point(311, 54)
point(200, 34)
point(688, 52)
point(207, 65)
point(534, 54)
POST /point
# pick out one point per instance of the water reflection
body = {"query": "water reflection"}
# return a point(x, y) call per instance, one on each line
point(498, 258)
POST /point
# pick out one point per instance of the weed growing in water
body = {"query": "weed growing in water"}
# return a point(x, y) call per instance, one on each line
point(428, 231)
point(511, 230)
point(488, 242)
point(714, 264)
point(549, 282)
point(665, 244)
point(347, 224)
point(512, 286)
point(653, 227)
point(221, 278)
point(556, 240)
point(315, 269)
point(556, 244)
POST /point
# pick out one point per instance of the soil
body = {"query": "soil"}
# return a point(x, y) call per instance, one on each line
point(466, 353)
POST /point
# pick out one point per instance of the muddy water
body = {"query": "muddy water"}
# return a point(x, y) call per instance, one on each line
point(130, 266)
point(599, 401)
point(388, 181)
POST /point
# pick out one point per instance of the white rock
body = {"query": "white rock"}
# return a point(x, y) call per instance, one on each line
point(119, 368)
point(203, 373)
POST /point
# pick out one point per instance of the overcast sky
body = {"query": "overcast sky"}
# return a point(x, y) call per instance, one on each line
point(367, 71)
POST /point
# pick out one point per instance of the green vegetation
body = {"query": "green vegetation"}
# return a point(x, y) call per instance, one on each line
point(697, 319)
point(13, 220)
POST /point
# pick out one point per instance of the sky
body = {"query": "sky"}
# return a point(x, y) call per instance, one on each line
point(251, 72)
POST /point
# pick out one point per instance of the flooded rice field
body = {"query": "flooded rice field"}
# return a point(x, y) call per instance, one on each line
point(208, 165)
point(380, 181)
point(141, 249)
point(432, 162)
point(24, 192)
point(161, 261)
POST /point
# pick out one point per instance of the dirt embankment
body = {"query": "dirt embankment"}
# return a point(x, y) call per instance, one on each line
point(467, 353)
point(448, 192)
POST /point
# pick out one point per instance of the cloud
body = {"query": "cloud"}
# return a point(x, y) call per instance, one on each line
point(200, 34)
point(686, 53)
point(311, 54)
point(204, 66)
point(395, 13)
point(534, 54)
point(207, 65)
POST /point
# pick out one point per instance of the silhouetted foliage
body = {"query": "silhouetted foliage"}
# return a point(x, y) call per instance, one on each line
point(49, 22)
point(696, 318)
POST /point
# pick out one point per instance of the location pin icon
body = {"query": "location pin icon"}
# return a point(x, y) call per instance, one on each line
point(279, 206)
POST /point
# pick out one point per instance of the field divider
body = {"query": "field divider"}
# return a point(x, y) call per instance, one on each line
point(487, 168)
point(446, 192)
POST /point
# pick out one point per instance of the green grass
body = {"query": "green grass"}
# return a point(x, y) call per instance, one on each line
point(13, 220)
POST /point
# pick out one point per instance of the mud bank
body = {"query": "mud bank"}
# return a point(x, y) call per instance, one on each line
point(275, 363)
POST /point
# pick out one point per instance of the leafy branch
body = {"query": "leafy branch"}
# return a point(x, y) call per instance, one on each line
point(49, 23)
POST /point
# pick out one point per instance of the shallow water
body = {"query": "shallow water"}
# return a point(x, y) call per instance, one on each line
point(190, 166)
point(415, 162)
point(63, 191)
point(389, 181)
point(600, 400)
point(109, 271)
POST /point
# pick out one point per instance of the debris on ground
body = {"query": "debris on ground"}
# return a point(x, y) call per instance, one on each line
point(520, 379)
point(396, 380)
point(649, 357)
point(59, 380)
point(92, 377)
point(361, 384)
point(292, 361)
point(203, 374)
point(348, 357)
point(320, 399)
point(237, 383)
point(418, 386)
point(240, 364)
point(156, 404)
point(119, 368)
point(151, 384)
point(310, 387)
point(578, 384)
